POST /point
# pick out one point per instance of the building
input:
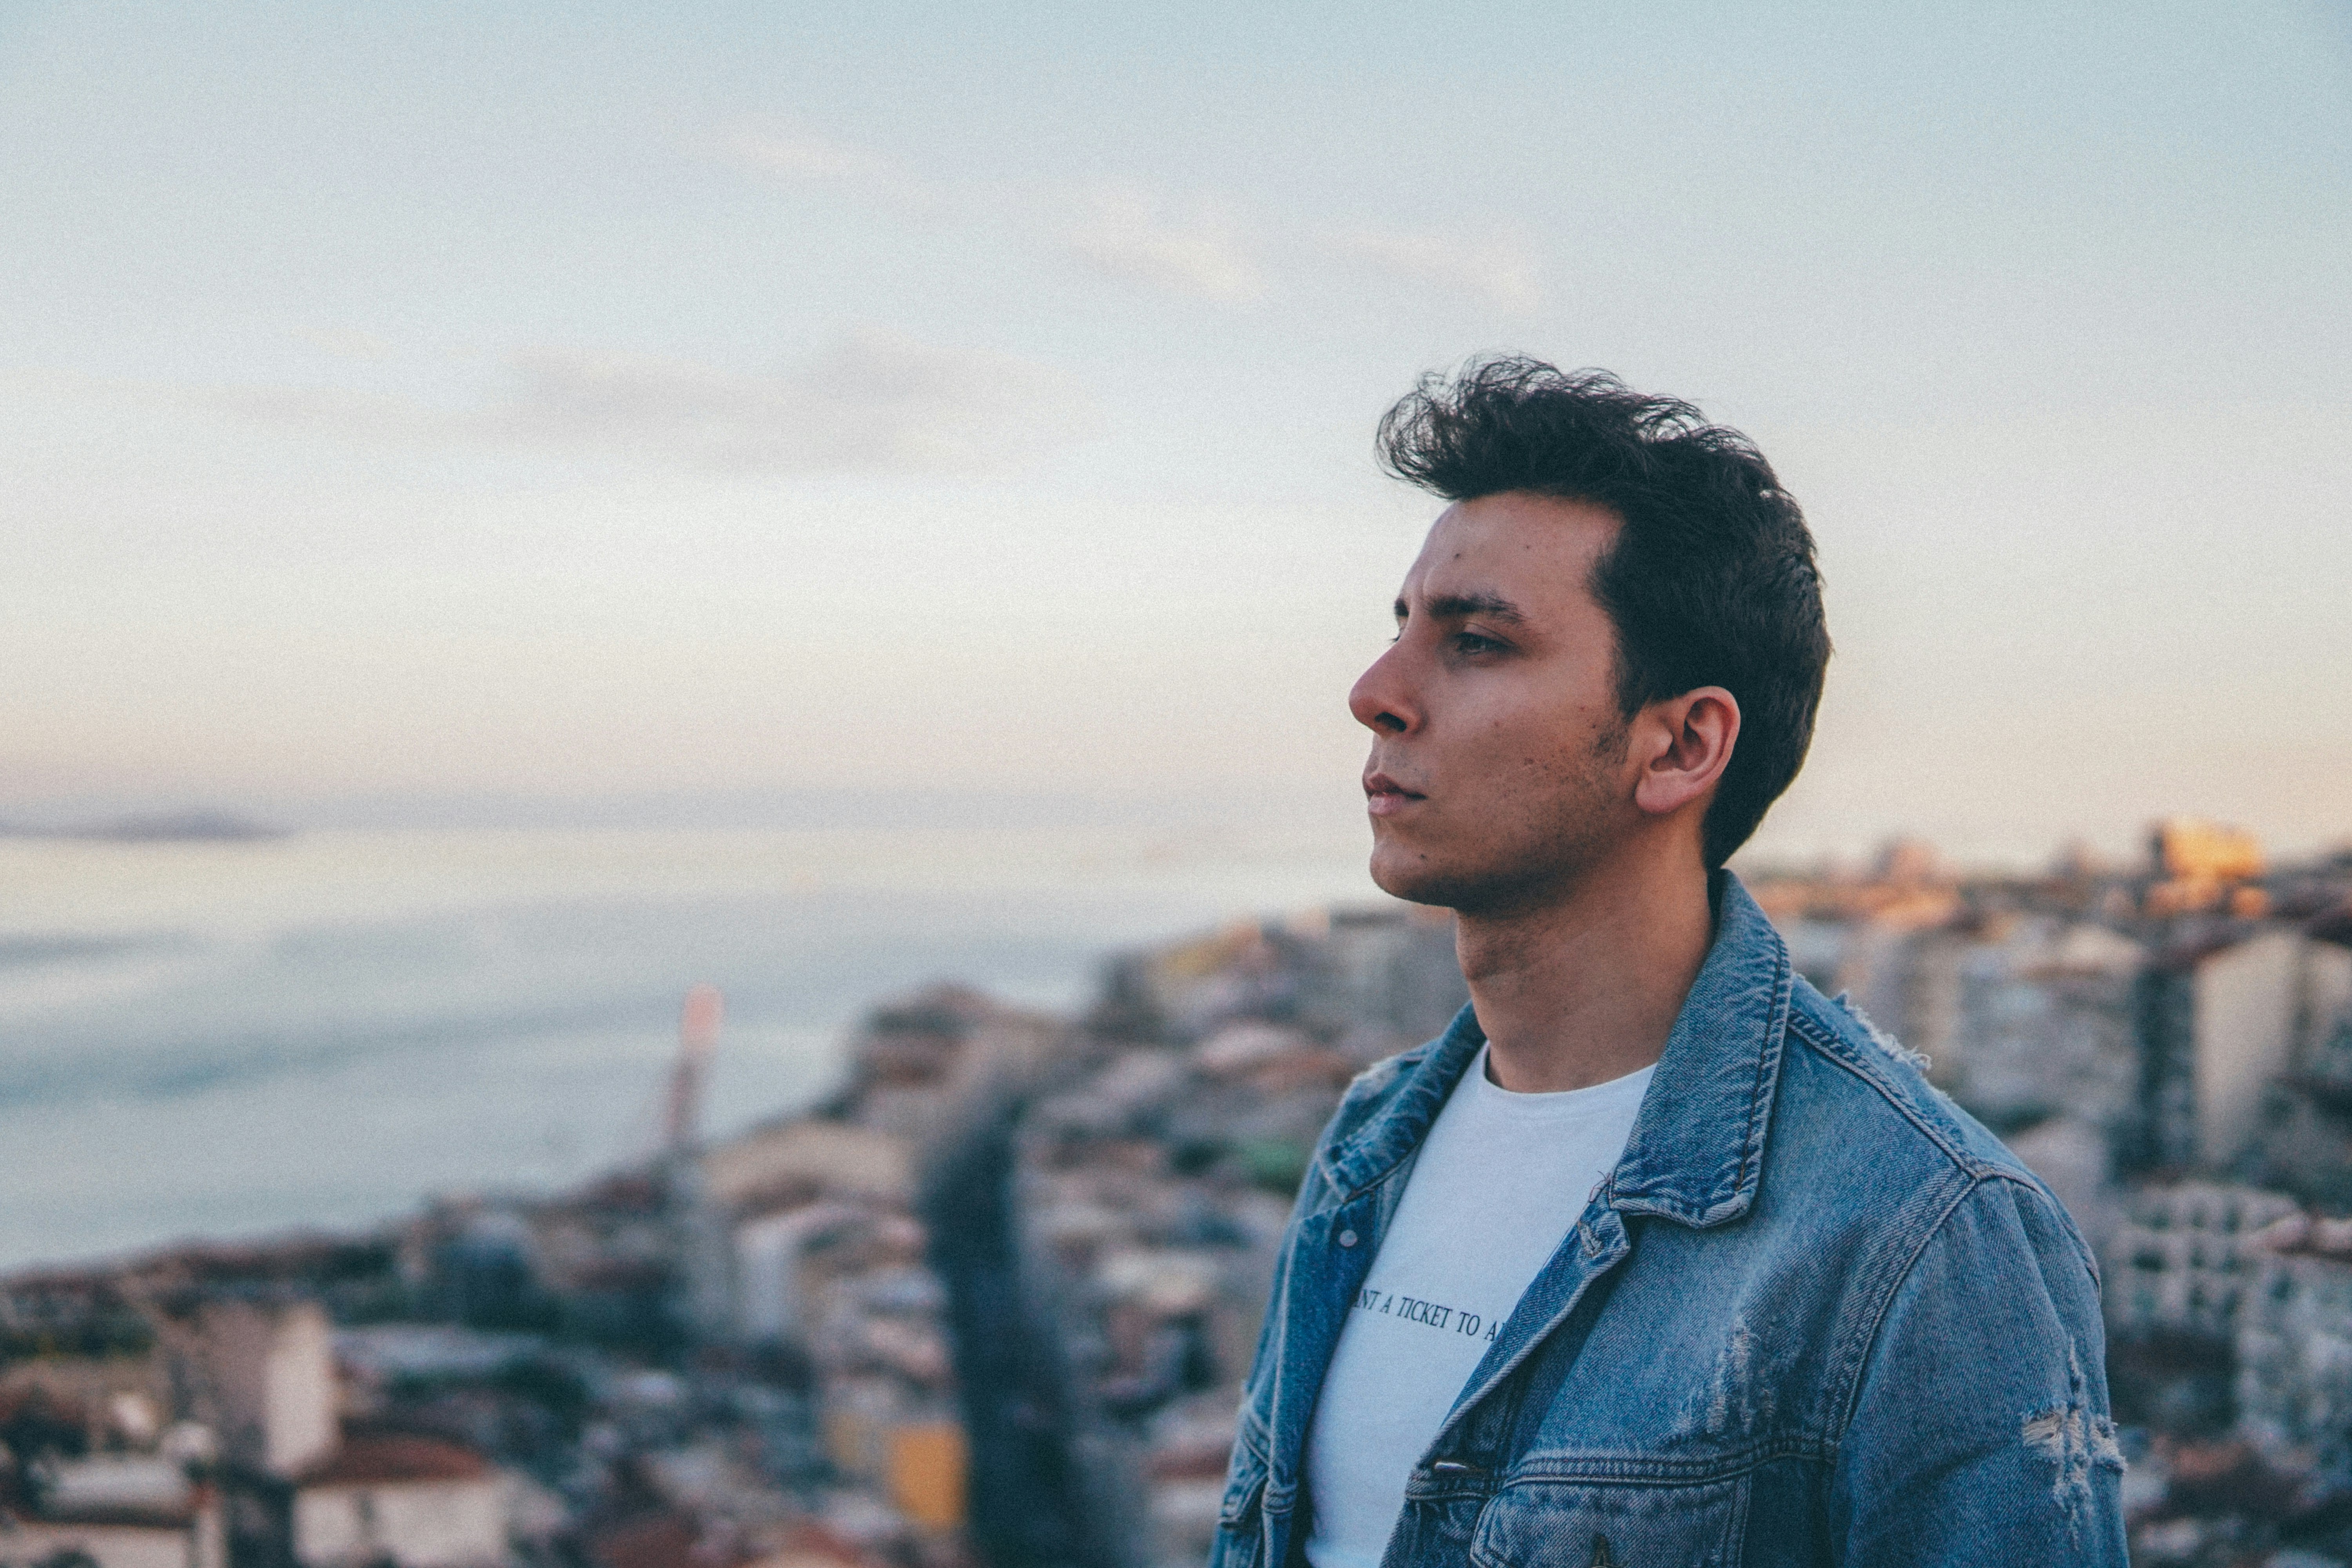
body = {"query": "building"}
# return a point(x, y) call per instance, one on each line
point(2183, 1263)
point(2294, 1366)
point(418, 1502)
point(2023, 1017)
point(265, 1374)
point(772, 1304)
point(1390, 973)
point(110, 1510)
point(2202, 866)
point(2228, 1017)
point(785, 1164)
point(304, 1489)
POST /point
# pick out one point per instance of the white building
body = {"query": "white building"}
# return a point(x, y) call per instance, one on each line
point(358, 1501)
point(2180, 1262)
point(2228, 1024)
point(119, 1511)
point(269, 1370)
point(418, 1502)
point(772, 1304)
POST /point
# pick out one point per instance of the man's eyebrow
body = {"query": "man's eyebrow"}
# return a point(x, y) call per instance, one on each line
point(1461, 606)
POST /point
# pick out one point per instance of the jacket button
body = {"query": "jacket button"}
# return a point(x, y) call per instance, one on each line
point(1347, 1238)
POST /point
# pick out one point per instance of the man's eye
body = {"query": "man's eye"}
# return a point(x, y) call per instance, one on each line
point(1471, 642)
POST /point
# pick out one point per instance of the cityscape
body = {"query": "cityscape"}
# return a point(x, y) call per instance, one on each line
point(990, 1301)
point(683, 867)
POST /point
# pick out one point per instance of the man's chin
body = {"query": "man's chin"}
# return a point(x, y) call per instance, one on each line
point(1411, 878)
point(1476, 890)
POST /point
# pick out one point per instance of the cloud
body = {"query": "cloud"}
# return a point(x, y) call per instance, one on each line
point(803, 156)
point(1495, 268)
point(1133, 234)
point(874, 403)
point(1119, 231)
point(1189, 246)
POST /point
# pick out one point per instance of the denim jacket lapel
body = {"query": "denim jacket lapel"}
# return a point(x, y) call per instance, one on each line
point(1356, 1181)
point(1694, 1158)
point(1695, 1152)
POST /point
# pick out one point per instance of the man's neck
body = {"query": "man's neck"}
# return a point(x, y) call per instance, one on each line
point(1585, 988)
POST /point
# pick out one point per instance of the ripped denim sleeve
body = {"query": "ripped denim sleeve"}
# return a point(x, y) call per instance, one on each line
point(1979, 1430)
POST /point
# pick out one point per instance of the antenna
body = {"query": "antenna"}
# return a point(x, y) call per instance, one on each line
point(698, 1036)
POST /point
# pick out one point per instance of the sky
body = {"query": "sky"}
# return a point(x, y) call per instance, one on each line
point(566, 403)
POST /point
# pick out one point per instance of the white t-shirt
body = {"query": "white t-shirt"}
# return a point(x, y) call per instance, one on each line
point(1500, 1179)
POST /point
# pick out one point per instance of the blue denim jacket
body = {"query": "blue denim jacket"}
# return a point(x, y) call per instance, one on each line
point(1816, 1315)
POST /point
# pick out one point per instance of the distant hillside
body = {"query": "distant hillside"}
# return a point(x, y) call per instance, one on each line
point(164, 827)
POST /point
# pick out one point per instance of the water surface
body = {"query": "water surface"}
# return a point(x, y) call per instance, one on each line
point(219, 1038)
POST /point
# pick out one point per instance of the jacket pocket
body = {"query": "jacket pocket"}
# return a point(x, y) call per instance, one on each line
point(1579, 1524)
point(1241, 1517)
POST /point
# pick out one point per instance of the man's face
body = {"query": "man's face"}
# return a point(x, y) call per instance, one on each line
point(1499, 767)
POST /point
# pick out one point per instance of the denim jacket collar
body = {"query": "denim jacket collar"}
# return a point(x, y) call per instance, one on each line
point(1696, 1149)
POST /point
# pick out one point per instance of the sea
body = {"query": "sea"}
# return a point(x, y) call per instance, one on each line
point(216, 1039)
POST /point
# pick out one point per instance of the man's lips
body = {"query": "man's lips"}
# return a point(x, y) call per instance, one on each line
point(1384, 796)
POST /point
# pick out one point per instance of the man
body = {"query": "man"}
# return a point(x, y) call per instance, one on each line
point(1657, 1257)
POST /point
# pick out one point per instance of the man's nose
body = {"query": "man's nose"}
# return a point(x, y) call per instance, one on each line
point(1382, 698)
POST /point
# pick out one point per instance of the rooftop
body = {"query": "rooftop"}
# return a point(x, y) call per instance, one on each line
point(390, 1458)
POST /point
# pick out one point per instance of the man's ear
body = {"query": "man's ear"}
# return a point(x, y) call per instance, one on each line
point(1683, 744)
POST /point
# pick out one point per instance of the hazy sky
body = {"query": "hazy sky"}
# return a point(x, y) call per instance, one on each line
point(592, 400)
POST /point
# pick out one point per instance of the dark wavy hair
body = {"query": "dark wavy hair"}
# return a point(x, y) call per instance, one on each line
point(1711, 580)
